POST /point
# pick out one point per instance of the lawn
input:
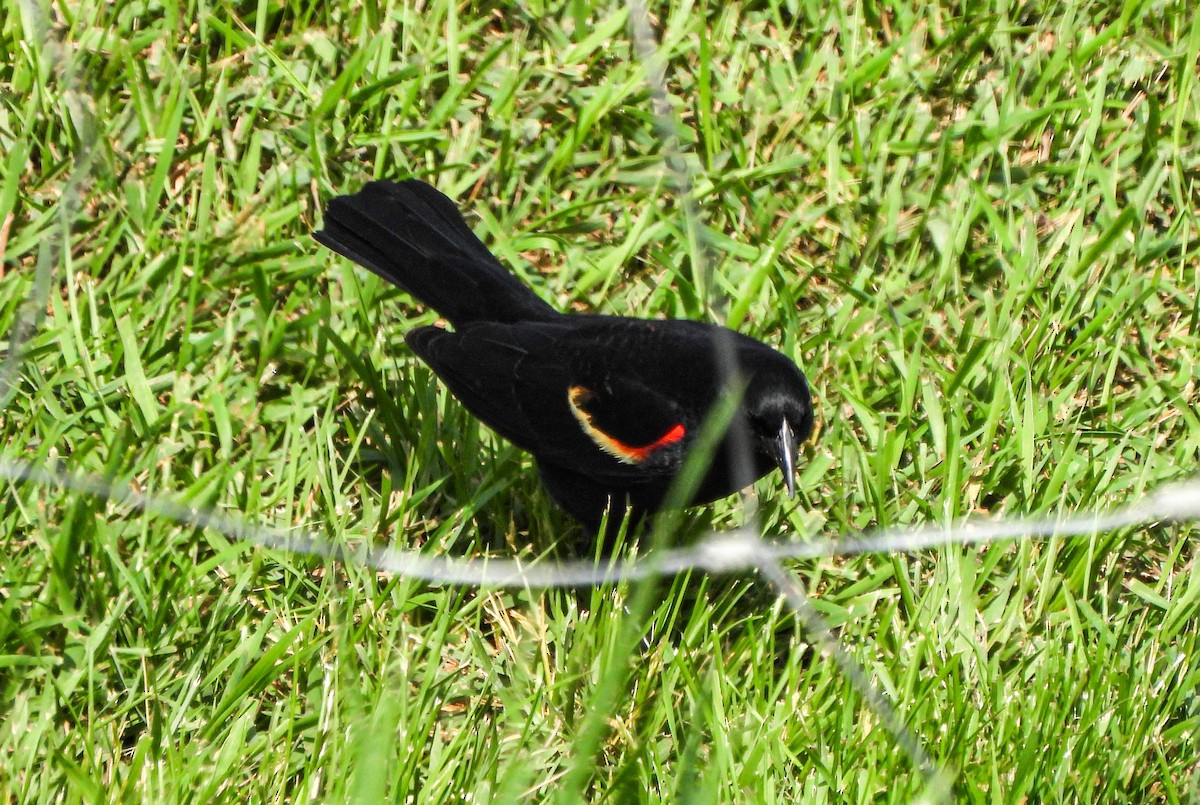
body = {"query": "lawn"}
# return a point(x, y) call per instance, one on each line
point(977, 229)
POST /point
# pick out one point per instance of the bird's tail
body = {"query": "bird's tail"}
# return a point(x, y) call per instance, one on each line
point(414, 237)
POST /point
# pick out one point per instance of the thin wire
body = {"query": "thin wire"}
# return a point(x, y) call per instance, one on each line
point(938, 781)
point(748, 547)
point(701, 244)
point(33, 310)
point(726, 552)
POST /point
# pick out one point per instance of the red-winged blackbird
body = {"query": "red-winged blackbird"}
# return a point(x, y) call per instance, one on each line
point(608, 405)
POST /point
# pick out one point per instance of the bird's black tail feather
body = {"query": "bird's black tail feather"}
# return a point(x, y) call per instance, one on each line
point(414, 237)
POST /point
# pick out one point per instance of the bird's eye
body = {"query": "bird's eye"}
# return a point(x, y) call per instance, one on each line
point(762, 426)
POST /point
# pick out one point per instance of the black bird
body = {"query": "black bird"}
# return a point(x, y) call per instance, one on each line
point(609, 406)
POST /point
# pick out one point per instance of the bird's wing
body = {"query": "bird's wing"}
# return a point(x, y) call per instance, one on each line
point(478, 364)
point(590, 416)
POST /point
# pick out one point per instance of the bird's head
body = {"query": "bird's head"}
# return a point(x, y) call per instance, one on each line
point(779, 415)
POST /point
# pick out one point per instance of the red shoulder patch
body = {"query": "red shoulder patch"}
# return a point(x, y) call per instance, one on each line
point(578, 398)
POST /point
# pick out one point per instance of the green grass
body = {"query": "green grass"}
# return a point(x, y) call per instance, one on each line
point(976, 229)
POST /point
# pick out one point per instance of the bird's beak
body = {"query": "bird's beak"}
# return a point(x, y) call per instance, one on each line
point(787, 458)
